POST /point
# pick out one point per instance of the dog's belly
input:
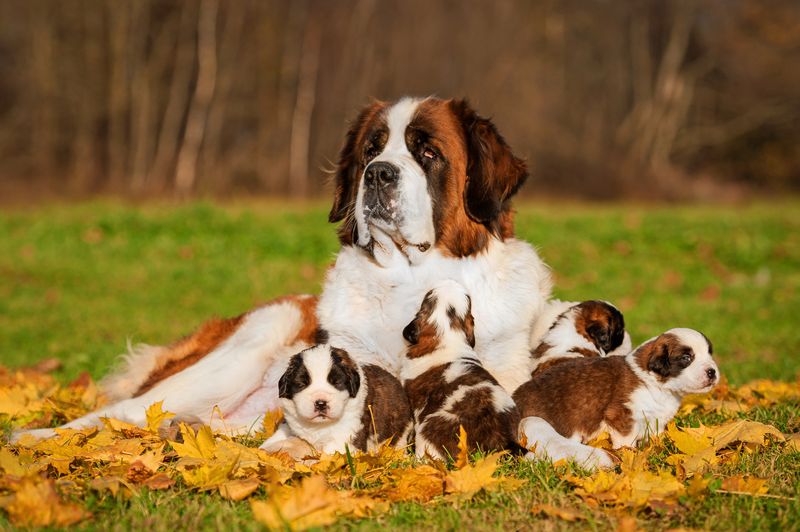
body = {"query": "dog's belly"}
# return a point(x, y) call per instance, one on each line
point(262, 399)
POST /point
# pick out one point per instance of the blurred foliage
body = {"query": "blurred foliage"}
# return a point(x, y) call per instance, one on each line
point(672, 99)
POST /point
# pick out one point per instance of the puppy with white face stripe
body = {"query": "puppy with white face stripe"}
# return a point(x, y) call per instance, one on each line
point(629, 396)
point(586, 329)
point(446, 385)
point(332, 403)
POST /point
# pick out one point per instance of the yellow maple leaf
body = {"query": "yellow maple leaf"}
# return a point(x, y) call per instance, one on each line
point(270, 423)
point(156, 416)
point(311, 503)
point(463, 484)
point(601, 441)
point(195, 445)
point(745, 484)
point(36, 503)
point(419, 484)
point(10, 464)
point(463, 452)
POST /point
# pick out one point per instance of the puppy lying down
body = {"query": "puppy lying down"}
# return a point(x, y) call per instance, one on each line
point(446, 384)
point(330, 402)
point(571, 402)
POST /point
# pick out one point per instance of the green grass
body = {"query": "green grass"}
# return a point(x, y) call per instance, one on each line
point(77, 281)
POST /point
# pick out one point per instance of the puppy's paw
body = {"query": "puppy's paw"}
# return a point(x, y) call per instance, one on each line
point(597, 459)
point(295, 447)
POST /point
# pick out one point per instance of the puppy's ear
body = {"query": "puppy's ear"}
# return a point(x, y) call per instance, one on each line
point(349, 162)
point(344, 364)
point(658, 362)
point(411, 332)
point(287, 380)
point(494, 174)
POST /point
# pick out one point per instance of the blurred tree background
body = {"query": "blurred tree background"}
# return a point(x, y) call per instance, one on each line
point(606, 99)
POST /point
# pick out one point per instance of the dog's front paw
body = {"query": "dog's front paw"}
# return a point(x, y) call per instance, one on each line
point(597, 459)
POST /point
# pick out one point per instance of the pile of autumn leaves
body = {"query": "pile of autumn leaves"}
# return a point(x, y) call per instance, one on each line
point(42, 483)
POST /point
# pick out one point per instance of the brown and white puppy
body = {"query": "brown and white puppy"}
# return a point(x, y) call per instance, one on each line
point(331, 402)
point(446, 384)
point(587, 329)
point(630, 397)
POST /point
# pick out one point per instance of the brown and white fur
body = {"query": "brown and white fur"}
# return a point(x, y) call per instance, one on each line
point(586, 329)
point(423, 189)
point(629, 396)
point(333, 403)
point(446, 384)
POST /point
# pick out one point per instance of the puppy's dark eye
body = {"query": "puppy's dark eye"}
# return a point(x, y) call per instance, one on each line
point(685, 359)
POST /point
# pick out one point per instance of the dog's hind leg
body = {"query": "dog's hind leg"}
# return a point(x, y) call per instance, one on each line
point(222, 380)
point(551, 445)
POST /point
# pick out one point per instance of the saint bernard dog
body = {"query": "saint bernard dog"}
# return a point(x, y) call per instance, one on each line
point(423, 193)
point(333, 404)
point(630, 397)
point(447, 386)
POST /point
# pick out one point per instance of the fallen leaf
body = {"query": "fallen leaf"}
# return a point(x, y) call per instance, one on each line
point(560, 513)
point(36, 503)
point(463, 450)
point(237, 490)
point(160, 481)
point(745, 484)
point(156, 416)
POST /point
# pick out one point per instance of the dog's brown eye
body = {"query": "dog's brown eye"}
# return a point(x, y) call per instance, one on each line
point(429, 154)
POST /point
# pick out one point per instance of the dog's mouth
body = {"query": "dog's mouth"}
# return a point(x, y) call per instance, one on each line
point(391, 232)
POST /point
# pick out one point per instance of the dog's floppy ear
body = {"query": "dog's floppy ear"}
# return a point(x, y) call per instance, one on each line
point(287, 380)
point(342, 361)
point(494, 174)
point(348, 165)
point(658, 362)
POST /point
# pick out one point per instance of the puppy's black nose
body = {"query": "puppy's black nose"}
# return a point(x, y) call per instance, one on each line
point(382, 173)
point(711, 373)
point(320, 405)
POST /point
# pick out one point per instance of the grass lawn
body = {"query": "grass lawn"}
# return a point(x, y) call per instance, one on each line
point(77, 281)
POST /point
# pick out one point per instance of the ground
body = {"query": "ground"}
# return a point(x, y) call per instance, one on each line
point(78, 281)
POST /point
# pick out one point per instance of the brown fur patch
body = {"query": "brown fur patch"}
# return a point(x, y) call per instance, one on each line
point(464, 324)
point(193, 348)
point(349, 168)
point(660, 356)
point(486, 428)
point(600, 323)
point(481, 175)
point(390, 414)
point(577, 395)
point(421, 333)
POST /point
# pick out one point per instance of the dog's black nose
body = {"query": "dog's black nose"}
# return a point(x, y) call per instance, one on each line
point(711, 373)
point(320, 405)
point(382, 173)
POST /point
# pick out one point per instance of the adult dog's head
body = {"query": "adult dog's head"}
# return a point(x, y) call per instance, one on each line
point(425, 173)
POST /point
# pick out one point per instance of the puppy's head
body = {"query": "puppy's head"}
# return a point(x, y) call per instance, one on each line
point(602, 324)
point(318, 384)
point(680, 359)
point(445, 316)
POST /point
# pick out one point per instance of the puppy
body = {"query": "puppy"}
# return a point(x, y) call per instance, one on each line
point(586, 329)
point(446, 384)
point(630, 396)
point(331, 402)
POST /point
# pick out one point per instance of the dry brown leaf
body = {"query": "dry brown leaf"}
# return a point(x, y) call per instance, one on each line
point(561, 513)
point(160, 481)
point(419, 484)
